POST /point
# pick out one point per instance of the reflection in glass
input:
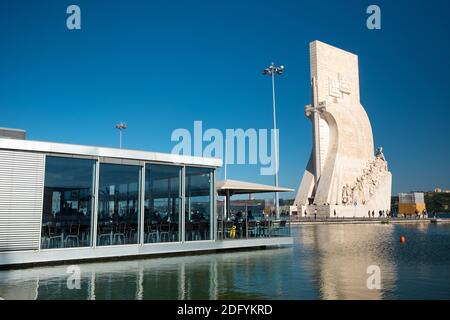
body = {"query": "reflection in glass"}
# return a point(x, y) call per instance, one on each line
point(118, 204)
point(162, 203)
point(67, 207)
point(232, 275)
point(199, 203)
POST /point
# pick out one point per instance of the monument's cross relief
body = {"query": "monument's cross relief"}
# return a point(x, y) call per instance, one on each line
point(343, 173)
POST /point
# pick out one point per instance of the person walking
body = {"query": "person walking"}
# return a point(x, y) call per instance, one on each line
point(424, 213)
point(334, 213)
point(315, 214)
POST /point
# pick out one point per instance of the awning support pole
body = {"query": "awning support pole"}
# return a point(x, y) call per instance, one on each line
point(227, 200)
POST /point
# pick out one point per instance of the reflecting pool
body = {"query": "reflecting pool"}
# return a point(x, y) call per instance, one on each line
point(326, 262)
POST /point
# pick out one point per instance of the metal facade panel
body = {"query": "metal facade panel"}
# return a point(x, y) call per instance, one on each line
point(21, 187)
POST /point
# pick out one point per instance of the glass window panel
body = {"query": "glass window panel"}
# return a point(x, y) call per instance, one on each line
point(162, 203)
point(67, 207)
point(199, 204)
point(118, 197)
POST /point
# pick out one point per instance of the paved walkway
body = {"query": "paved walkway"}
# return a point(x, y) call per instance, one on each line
point(310, 221)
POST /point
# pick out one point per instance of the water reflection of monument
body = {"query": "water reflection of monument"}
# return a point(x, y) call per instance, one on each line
point(328, 262)
point(342, 174)
point(341, 259)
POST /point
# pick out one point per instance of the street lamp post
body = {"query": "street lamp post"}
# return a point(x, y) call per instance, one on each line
point(271, 71)
point(121, 126)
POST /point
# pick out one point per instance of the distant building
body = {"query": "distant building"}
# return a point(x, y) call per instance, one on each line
point(440, 190)
point(411, 203)
point(12, 133)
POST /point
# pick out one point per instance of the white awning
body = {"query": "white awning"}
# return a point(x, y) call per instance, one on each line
point(242, 187)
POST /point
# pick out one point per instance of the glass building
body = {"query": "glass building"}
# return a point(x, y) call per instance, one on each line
point(62, 202)
point(118, 204)
point(199, 199)
point(69, 190)
point(67, 205)
point(162, 203)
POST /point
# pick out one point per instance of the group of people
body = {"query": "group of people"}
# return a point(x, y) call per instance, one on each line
point(156, 217)
point(422, 214)
point(239, 216)
point(197, 216)
point(381, 214)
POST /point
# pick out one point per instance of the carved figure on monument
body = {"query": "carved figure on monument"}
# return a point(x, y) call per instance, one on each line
point(380, 154)
point(345, 194)
point(351, 197)
point(360, 188)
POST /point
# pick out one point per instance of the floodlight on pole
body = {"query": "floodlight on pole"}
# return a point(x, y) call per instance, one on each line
point(271, 71)
point(121, 126)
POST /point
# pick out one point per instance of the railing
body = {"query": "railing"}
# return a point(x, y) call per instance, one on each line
point(244, 229)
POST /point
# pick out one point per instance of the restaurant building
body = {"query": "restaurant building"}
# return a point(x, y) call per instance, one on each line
point(63, 202)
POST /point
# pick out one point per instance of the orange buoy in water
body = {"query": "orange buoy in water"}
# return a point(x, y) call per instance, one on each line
point(402, 239)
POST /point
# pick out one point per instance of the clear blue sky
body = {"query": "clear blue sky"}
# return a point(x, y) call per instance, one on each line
point(160, 65)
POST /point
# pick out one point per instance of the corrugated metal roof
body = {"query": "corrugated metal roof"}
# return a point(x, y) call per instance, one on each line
point(74, 149)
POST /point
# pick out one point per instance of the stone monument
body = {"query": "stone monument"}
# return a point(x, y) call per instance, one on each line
point(343, 174)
